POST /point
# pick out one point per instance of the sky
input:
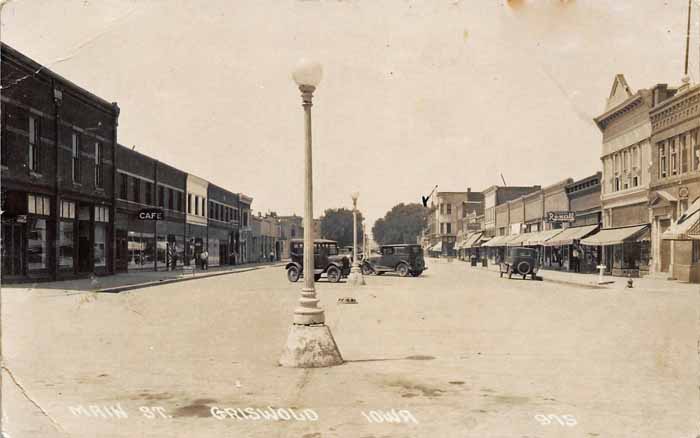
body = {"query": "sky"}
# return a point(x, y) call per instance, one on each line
point(414, 93)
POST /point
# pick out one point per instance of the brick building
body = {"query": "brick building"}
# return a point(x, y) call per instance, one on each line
point(626, 153)
point(675, 183)
point(73, 199)
point(58, 153)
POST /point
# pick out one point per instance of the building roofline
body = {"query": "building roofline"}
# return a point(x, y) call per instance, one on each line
point(69, 85)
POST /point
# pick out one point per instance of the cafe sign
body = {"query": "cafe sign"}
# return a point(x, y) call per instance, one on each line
point(151, 214)
point(561, 216)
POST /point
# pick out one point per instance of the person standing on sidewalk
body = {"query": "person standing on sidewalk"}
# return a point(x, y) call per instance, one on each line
point(575, 266)
point(205, 260)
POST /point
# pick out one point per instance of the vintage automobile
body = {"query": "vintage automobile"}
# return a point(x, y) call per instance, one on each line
point(327, 261)
point(520, 261)
point(406, 259)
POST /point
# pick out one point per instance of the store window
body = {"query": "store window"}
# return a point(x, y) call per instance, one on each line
point(100, 246)
point(37, 244)
point(38, 204)
point(34, 144)
point(66, 234)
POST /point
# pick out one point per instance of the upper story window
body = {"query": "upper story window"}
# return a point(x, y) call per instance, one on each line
point(245, 218)
point(448, 227)
point(196, 205)
point(123, 186)
point(34, 144)
point(3, 136)
point(171, 199)
point(673, 153)
point(148, 193)
point(136, 193)
point(663, 163)
point(75, 155)
point(161, 194)
point(695, 149)
point(189, 203)
point(98, 165)
point(684, 153)
point(204, 207)
point(449, 208)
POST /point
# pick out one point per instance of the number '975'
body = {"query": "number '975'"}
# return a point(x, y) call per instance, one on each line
point(561, 420)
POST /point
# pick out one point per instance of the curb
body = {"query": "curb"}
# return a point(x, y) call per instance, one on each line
point(128, 287)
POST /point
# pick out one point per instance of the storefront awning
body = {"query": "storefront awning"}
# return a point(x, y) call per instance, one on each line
point(687, 226)
point(473, 240)
point(543, 237)
point(571, 235)
point(617, 236)
point(498, 241)
point(437, 247)
point(534, 239)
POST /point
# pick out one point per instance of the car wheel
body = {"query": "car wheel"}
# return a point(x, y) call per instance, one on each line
point(523, 267)
point(402, 269)
point(333, 274)
point(293, 274)
point(366, 269)
point(317, 277)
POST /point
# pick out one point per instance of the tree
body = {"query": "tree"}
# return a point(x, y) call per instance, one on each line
point(336, 224)
point(402, 224)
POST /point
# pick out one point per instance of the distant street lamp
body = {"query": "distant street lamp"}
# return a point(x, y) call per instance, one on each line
point(355, 278)
point(310, 343)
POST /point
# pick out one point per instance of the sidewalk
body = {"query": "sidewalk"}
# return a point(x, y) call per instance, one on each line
point(141, 279)
point(591, 280)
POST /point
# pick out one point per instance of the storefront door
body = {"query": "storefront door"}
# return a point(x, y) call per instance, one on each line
point(84, 247)
point(12, 247)
point(122, 251)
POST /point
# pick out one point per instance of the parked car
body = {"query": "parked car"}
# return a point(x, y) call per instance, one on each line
point(404, 259)
point(520, 261)
point(327, 260)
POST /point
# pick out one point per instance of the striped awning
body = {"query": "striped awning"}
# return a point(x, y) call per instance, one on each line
point(571, 235)
point(618, 236)
point(687, 226)
point(436, 248)
point(473, 240)
point(497, 241)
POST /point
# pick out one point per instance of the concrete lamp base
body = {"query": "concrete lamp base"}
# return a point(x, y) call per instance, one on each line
point(310, 346)
point(356, 279)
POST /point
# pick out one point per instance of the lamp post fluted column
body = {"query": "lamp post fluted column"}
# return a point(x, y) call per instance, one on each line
point(310, 343)
point(308, 311)
point(355, 278)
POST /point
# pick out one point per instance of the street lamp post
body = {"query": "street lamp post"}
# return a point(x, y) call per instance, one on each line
point(355, 278)
point(310, 343)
